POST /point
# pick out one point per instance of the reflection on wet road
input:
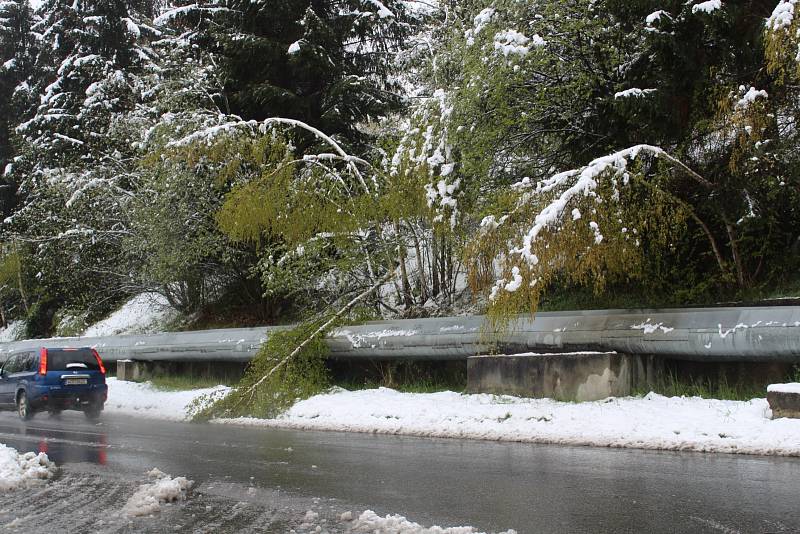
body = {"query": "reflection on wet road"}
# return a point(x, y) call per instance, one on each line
point(63, 446)
point(266, 480)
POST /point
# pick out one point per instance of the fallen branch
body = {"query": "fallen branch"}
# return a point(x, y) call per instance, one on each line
point(347, 307)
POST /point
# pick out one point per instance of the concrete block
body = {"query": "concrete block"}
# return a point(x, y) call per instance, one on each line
point(568, 376)
point(131, 370)
point(784, 400)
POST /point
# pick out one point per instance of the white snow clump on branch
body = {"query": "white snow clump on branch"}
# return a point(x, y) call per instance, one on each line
point(749, 97)
point(782, 16)
point(655, 16)
point(585, 184)
point(173, 13)
point(707, 7)
point(513, 42)
point(383, 11)
point(633, 93)
point(481, 20)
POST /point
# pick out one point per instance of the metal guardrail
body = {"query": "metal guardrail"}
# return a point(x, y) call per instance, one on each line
point(703, 334)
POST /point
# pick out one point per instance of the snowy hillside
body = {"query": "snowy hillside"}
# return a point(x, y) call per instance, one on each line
point(143, 314)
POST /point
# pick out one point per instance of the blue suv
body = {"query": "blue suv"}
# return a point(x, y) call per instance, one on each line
point(54, 380)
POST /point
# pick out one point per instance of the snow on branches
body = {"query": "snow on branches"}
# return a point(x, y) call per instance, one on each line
point(782, 16)
point(427, 147)
point(577, 221)
point(783, 40)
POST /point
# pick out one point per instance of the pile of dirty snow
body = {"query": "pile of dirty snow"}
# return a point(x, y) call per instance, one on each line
point(144, 400)
point(143, 314)
point(370, 522)
point(650, 422)
point(149, 497)
point(21, 470)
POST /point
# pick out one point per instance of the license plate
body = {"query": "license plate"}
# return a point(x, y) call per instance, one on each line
point(74, 381)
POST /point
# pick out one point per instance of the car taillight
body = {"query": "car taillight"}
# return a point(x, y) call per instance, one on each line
point(99, 362)
point(43, 361)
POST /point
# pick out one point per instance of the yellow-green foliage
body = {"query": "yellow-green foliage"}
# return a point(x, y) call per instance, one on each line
point(295, 200)
point(632, 218)
point(747, 124)
point(782, 50)
point(292, 200)
point(10, 266)
point(300, 377)
point(259, 204)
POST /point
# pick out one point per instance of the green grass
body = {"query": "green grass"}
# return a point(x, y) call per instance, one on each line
point(185, 382)
point(416, 386)
point(671, 386)
point(406, 377)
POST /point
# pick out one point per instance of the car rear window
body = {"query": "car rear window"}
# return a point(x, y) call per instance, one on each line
point(71, 360)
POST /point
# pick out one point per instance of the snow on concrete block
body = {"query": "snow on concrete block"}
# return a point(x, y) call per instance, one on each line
point(784, 400)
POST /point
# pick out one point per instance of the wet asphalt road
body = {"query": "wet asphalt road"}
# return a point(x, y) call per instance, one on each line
point(265, 480)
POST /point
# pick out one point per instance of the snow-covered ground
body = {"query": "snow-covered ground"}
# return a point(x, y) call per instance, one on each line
point(143, 314)
point(12, 331)
point(651, 422)
point(370, 522)
point(22, 470)
point(144, 400)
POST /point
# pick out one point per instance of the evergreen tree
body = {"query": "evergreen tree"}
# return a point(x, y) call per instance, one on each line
point(17, 50)
point(327, 64)
point(78, 148)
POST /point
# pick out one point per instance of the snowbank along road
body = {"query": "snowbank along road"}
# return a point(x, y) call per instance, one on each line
point(649, 422)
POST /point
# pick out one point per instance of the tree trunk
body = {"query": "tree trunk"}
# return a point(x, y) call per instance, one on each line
point(319, 331)
point(408, 300)
point(741, 276)
point(22, 294)
point(435, 266)
point(421, 278)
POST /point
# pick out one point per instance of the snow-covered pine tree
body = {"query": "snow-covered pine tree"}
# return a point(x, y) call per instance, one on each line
point(17, 49)
point(324, 63)
point(78, 148)
point(173, 229)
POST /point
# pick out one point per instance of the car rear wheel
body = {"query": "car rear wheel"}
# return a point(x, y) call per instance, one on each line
point(23, 408)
